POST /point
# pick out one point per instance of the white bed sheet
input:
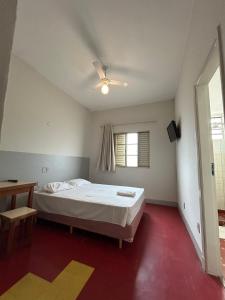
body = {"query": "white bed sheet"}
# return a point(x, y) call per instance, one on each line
point(96, 202)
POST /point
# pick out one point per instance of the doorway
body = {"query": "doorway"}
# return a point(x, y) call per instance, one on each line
point(211, 152)
point(218, 141)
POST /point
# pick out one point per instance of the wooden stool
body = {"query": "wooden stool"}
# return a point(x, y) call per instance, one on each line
point(12, 217)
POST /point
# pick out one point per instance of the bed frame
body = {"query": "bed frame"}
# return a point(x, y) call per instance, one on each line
point(126, 233)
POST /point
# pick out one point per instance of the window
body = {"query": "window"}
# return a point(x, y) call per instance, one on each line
point(132, 149)
point(217, 127)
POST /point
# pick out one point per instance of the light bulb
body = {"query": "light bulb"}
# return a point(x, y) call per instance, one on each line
point(105, 89)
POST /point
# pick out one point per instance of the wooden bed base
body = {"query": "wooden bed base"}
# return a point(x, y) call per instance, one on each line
point(126, 233)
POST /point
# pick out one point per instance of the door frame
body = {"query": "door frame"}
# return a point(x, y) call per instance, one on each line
point(203, 221)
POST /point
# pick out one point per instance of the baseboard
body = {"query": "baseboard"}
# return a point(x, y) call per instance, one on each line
point(161, 202)
point(197, 249)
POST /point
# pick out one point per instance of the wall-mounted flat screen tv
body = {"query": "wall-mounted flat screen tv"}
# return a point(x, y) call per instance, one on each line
point(173, 131)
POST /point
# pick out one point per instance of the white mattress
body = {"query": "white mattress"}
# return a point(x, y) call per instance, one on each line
point(96, 202)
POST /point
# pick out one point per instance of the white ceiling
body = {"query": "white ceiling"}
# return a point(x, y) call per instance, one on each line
point(143, 42)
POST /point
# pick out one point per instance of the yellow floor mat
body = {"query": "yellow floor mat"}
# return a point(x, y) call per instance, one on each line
point(66, 286)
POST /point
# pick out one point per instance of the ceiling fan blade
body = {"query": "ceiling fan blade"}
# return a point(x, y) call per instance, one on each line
point(100, 69)
point(99, 85)
point(117, 82)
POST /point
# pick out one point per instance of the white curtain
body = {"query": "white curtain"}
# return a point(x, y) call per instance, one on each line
point(107, 161)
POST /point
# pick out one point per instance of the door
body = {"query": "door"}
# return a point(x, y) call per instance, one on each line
point(208, 191)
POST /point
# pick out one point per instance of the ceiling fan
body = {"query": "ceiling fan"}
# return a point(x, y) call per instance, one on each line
point(104, 81)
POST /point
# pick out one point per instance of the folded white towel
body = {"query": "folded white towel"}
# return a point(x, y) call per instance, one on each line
point(126, 194)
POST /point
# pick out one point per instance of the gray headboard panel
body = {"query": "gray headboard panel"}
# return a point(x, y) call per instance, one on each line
point(29, 166)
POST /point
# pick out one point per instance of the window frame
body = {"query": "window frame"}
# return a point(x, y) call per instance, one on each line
point(217, 126)
point(125, 133)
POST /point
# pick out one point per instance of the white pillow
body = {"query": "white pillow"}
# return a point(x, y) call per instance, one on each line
point(78, 182)
point(54, 187)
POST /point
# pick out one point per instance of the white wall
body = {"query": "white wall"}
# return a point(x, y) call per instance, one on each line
point(206, 16)
point(215, 94)
point(40, 118)
point(219, 160)
point(159, 180)
point(7, 25)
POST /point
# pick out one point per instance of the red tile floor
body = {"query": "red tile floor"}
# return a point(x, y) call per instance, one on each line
point(222, 255)
point(160, 264)
point(221, 218)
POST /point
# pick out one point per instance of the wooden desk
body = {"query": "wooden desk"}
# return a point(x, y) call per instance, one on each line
point(12, 189)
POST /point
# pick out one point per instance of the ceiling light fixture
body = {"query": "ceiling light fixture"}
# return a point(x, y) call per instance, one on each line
point(105, 89)
point(105, 82)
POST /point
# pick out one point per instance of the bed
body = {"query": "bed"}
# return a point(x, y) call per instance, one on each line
point(94, 207)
